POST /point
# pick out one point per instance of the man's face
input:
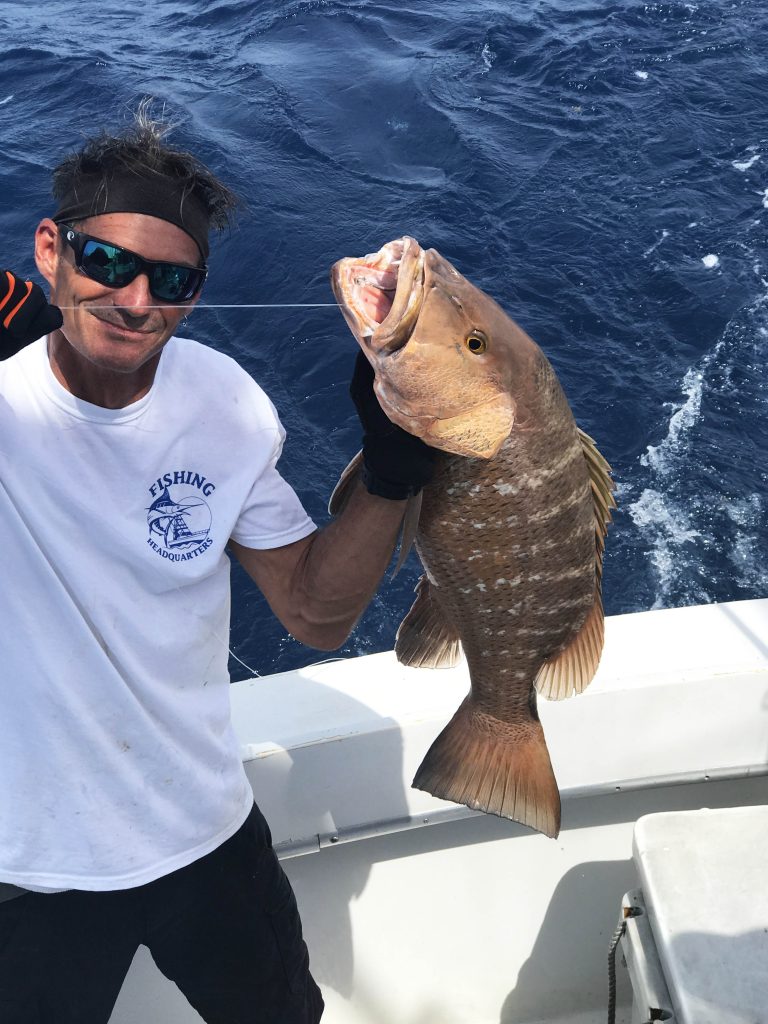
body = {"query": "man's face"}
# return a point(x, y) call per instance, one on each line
point(122, 337)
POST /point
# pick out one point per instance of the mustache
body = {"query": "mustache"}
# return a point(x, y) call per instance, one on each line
point(145, 318)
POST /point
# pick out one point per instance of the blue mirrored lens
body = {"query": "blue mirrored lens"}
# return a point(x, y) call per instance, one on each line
point(174, 283)
point(116, 267)
point(109, 264)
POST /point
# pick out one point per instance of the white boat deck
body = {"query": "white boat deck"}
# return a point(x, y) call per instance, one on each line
point(476, 919)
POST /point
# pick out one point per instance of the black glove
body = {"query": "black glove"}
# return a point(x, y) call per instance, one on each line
point(25, 314)
point(396, 464)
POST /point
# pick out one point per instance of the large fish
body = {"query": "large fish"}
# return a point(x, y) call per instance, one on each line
point(510, 530)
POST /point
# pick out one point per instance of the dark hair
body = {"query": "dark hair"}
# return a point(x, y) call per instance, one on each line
point(141, 150)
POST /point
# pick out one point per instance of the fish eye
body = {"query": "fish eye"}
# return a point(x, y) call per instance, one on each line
point(476, 342)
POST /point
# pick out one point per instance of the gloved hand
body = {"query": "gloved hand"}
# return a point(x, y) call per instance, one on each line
point(396, 464)
point(25, 314)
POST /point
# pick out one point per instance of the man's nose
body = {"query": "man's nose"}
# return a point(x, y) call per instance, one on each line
point(136, 296)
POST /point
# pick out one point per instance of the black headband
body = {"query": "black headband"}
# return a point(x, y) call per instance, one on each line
point(129, 192)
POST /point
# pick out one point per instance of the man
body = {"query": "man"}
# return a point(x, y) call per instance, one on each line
point(129, 461)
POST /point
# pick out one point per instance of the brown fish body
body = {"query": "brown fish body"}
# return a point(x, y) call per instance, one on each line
point(509, 531)
point(509, 544)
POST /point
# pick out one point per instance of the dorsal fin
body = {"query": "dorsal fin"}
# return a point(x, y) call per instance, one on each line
point(602, 494)
point(573, 669)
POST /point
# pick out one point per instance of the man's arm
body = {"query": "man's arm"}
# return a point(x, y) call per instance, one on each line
point(319, 587)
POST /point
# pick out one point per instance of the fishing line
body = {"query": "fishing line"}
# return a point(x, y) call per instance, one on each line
point(213, 305)
point(254, 673)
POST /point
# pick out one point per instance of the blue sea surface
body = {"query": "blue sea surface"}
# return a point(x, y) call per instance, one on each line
point(599, 168)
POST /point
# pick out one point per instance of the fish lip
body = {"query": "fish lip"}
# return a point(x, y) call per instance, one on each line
point(401, 262)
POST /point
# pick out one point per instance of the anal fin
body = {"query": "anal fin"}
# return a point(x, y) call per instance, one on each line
point(573, 669)
point(425, 638)
point(494, 766)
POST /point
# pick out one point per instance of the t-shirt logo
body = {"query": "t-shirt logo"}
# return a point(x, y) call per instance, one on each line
point(179, 520)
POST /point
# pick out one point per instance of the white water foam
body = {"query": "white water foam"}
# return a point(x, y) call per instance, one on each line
point(6, 100)
point(641, 74)
point(700, 528)
point(668, 527)
point(744, 165)
point(655, 246)
point(746, 511)
point(710, 261)
point(747, 557)
point(488, 56)
point(657, 457)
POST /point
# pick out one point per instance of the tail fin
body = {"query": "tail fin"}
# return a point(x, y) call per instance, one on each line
point(493, 766)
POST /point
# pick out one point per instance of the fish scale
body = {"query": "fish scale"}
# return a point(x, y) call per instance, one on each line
point(510, 531)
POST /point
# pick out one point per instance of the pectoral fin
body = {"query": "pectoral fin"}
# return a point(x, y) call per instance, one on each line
point(343, 489)
point(341, 495)
point(409, 530)
point(425, 638)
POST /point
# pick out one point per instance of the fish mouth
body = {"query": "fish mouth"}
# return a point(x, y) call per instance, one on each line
point(381, 294)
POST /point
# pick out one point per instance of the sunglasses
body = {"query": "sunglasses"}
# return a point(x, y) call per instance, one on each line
point(115, 267)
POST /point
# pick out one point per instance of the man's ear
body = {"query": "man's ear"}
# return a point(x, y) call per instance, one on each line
point(47, 249)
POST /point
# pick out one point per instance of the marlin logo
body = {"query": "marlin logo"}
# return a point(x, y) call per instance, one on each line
point(179, 525)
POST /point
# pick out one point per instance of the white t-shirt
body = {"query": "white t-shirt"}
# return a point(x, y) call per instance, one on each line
point(118, 760)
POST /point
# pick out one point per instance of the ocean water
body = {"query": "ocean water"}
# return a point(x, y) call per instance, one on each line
point(600, 168)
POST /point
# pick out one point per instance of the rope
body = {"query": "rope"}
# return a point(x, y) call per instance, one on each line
point(631, 911)
point(612, 971)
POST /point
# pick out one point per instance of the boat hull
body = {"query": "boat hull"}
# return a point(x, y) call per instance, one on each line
point(417, 911)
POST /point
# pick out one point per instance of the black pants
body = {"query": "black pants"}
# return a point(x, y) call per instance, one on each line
point(225, 929)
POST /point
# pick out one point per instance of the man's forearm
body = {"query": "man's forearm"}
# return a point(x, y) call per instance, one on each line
point(341, 569)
